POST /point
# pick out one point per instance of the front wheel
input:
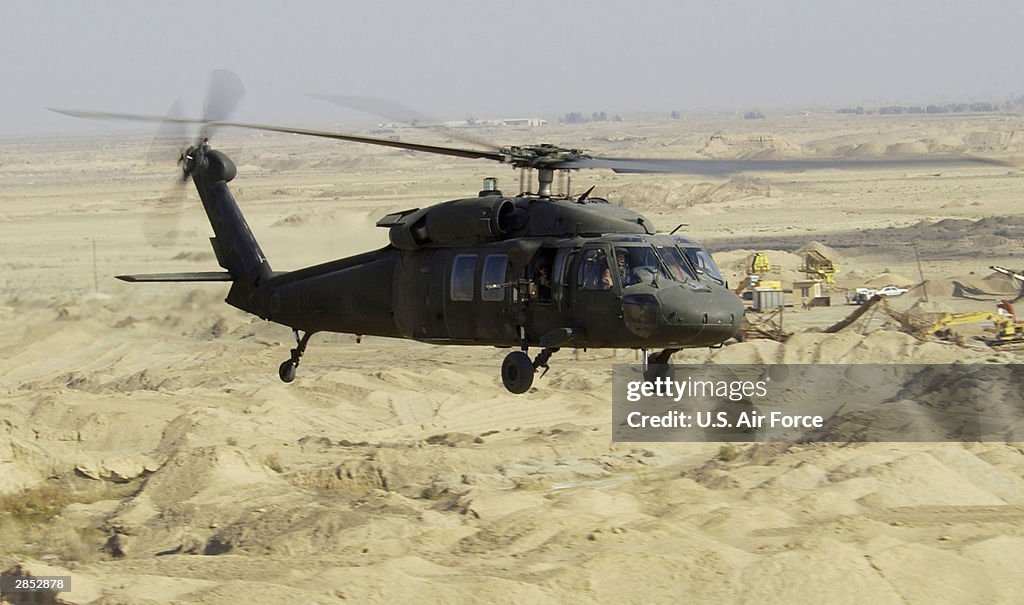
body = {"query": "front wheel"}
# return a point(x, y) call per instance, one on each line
point(287, 371)
point(517, 372)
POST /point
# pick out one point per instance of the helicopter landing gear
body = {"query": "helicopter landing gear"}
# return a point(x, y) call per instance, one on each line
point(517, 371)
point(541, 360)
point(656, 365)
point(287, 370)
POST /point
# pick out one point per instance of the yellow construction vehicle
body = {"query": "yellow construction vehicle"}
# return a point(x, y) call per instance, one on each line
point(818, 266)
point(757, 265)
point(1007, 329)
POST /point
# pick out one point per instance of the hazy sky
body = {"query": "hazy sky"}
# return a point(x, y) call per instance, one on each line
point(455, 58)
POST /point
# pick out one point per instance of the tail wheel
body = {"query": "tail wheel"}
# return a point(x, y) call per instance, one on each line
point(517, 372)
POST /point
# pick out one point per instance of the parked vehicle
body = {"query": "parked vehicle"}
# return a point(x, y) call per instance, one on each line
point(893, 291)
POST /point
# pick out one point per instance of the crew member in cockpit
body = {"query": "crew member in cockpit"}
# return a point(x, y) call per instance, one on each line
point(622, 263)
point(595, 274)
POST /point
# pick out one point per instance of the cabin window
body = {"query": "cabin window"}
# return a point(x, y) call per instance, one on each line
point(594, 273)
point(540, 274)
point(492, 283)
point(560, 272)
point(463, 272)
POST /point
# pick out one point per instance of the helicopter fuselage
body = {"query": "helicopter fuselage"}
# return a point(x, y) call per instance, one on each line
point(507, 289)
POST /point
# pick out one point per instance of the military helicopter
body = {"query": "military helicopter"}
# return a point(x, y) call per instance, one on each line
point(531, 270)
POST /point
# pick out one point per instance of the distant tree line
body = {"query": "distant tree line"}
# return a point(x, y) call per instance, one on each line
point(750, 115)
point(890, 110)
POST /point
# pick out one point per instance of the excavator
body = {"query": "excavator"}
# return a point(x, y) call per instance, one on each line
point(1008, 331)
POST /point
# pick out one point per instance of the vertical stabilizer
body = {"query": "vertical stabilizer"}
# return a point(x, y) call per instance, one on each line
point(233, 243)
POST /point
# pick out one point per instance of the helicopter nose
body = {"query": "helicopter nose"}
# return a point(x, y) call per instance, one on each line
point(723, 317)
point(684, 316)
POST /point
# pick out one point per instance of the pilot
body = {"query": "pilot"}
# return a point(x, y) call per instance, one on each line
point(622, 262)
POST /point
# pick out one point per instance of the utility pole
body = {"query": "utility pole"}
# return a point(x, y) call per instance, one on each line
point(95, 274)
point(920, 272)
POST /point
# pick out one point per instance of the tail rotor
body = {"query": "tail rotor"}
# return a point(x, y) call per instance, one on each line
point(172, 141)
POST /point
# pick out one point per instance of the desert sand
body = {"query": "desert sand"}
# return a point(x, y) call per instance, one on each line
point(148, 449)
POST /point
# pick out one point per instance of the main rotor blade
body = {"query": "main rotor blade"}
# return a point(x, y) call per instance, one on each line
point(438, 149)
point(452, 151)
point(716, 167)
point(223, 94)
point(572, 160)
point(382, 108)
point(128, 117)
point(396, 112)
point(169, 139)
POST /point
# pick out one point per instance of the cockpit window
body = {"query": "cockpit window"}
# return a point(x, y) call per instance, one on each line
point(594, 273)
point(700, 259)
point(676, 264)
point(638, 264)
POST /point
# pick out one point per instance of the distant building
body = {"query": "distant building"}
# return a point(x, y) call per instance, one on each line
point(522, 122)
point(467, 123)
point(498, 122)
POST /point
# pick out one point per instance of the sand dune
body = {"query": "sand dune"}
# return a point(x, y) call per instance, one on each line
point(148, 449)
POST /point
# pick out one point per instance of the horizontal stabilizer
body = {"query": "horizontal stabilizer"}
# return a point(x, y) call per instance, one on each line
point(178, 277)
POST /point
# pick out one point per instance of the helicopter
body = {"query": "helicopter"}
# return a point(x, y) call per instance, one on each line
point(534, 270)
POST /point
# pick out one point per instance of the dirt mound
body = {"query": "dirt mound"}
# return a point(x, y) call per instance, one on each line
point(666, 195)
point(307, 217)
point(994, 286)
point(887, 278)
point(929, 311)
point(868, 149)
point(907, 148)
point(846, 347)
point(968, 402)
point(827, 251)
point(749, 146)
